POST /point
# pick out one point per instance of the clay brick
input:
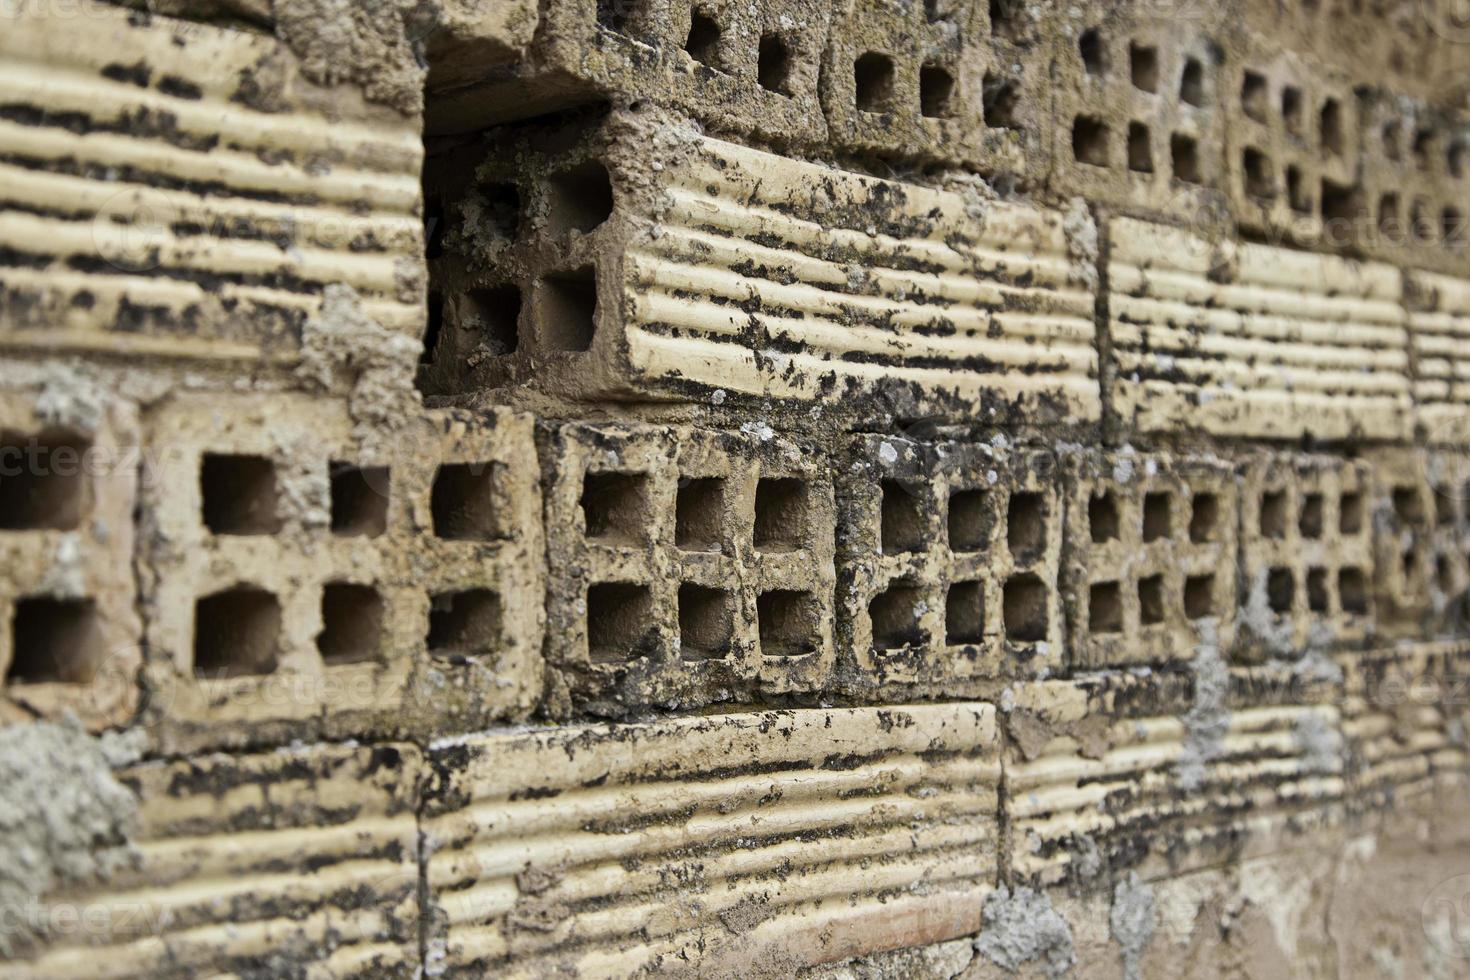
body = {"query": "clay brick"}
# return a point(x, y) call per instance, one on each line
point(1439, 325)
point(1098, 786)
point(948, 565)
point(214, 881)
point(703, 842)
point(746, 68)
point(931, 81)
point(1138, 119)
point(1420, 541)
point(69, 632)
point(1402, 709)
point(190, 213)
point(1149, 558)
point(1307, 555)
point(301, 583)
point(688, 565)
point(1291, 150)
point(1252, 340)
point(725, 269)
point(1415, 173)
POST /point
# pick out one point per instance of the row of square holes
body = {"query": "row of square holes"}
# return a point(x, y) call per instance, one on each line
point(1090, 137)
point(1143, 67)
point(617, 511)
point(773, 53)
point(620, 618)
point(240, 497)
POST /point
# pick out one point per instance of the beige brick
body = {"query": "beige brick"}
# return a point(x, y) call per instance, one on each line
point(687, 565)
point(1252, 340)
point(1439, 324)
point(1093, 790)
point(404, 597)
point(705, 843)
point(949, 556)
point(69, 630)
point(1414, 169)
point(1149, 558)
point(716, 268)
point(215, 881)
point(1307, 554)
point(164, 189)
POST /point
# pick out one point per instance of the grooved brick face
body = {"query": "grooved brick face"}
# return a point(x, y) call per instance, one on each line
point(685, 563)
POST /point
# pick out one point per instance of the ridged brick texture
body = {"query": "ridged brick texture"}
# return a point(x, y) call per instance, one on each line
point(1439, 323)
point(155, 204)
point(613, 850)
point(1253, 340)
point(248, 863)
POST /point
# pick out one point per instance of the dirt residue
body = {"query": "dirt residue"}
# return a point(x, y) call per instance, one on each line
point(64, 819)
point(1022, 927)
point(375, 45)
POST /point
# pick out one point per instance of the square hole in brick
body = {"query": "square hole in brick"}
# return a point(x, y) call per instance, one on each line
point(492, 316)
point(1000, 98)
point(706, 622)
point(1407, 506)
point(1390, 221)
point(1199, 596)
point(1140, 152)
point(774, 65)
point(1158, 511)
point(566, 309)
point(578, 199)
point(1184, 158)
point(43, 484)
point(618, 15)
point(468, 501)
point(1330, 125)
point(1192, 82)
point(902, 523)
point(359, 499)
point(616, 508)
point(1092, 51)
point(1342, 206)
point(1350, 513)
point(352, 624)
point(1310, 521)
point(970, 521)
point(1273, 514)
point(936, 91)
point(619, 622)
point(873, 81)
point(1280, 589)
point(1444, 505)
point(1090, 141)
point(1204, 518)
point(1105, 608)
point(1444, 576)
point(1292, 111)
point(780, 514)
point(1297, 194)
point(790, 623)
point(236, 633)
point(964, 613)
point(463, 623)
point(502, 209)
point(1253, 97)
point(239, 494)
point(1260, 181)
point(1025, 609)
point(1318, 598)
point(1026, 525)
point(1352, 591)
point(895, 614)
point(55, 641)
point(699, 511)
point(703, 42)
point(1143, 65)
point(1151, 608)
point(1103, 523)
